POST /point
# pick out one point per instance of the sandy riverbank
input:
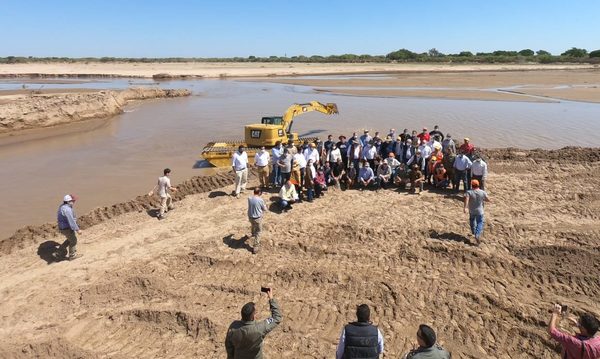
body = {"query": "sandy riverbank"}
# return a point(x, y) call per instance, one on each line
point(148, 288)
point(235, 69)
point(573, 84)
point(24, 109)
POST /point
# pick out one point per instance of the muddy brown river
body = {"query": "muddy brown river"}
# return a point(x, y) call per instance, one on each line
point(109, 161)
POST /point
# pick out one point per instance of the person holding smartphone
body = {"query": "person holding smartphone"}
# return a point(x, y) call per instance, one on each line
point(245, 337)
point(583, 345)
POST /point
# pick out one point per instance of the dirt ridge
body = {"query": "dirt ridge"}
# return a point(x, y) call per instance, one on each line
point(36, 233)
point(45, 110)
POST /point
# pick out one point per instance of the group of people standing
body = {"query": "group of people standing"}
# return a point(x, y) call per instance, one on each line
point(305, 171)
point(374, 162)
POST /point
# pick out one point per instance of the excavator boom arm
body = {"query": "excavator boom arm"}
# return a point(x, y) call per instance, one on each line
point(300, 108)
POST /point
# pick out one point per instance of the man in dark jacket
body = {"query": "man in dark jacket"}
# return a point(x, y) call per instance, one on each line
point(245, 337)
point(360, 339)
point(427, 347)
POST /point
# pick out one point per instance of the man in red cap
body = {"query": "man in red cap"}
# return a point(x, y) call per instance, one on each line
point(67, 225)
point(424, 136)
point(474, 200)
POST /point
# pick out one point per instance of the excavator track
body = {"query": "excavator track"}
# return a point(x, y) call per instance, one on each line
point(219, 153)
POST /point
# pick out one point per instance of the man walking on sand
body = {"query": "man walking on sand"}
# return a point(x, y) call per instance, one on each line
point(474, 199)
point(164, 186)
point(239, 164)
point(256, 208)
point(67, 225)
point(245, 337)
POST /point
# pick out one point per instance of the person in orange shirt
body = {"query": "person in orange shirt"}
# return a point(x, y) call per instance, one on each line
point(436, 157)
point(440, 179)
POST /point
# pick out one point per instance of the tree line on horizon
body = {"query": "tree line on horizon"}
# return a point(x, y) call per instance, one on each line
point(403, 55)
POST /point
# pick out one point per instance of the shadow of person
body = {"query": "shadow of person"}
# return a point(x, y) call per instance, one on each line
point(215, 194)
point(237, 243)
point(49, 251)
point(153, 212)
point(275, 208)
point(450, 236)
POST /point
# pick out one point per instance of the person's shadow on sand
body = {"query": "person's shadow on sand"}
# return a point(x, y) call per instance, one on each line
point(237, 243)
point(49, 251)
point(450, 236)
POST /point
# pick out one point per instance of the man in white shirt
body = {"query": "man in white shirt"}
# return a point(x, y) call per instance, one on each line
point(301, 161)
point(369, 153)
point(164, 186)
point(239, 164)
point(354, 154)
point(479, 171)
point(311, 153)
point(333, 155)
point(261, 161)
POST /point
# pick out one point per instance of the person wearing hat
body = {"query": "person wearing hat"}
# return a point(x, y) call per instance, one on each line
point(426, 347)
point(67, 225)
point(474, 200)
point(365, 138)
point(467, 148)
point(387, 146)
point(424, 136)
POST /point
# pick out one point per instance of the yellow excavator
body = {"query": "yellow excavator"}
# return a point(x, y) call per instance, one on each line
point(267, 133)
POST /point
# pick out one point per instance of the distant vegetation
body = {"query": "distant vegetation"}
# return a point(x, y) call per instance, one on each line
point(402, 55)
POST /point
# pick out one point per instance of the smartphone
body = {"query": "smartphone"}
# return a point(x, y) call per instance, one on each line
point(265, 289)
point(564, 309)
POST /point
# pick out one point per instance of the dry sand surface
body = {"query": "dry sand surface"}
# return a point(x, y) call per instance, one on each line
point(474, 85)
point(21, 110)
point(238, 69)
point(445, 94)
point(146, 288)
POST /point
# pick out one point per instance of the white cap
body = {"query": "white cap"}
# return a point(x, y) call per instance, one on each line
point(68, 198)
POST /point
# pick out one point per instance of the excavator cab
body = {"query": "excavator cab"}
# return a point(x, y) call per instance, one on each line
point(273, 120)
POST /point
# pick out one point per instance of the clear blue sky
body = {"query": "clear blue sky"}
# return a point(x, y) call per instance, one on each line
point(227, 28)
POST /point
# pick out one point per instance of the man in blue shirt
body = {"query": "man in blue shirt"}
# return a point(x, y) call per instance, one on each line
point(462, 164)
point(67, 225)
point(366, 176)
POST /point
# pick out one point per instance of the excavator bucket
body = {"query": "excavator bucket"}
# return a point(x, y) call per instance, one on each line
point(332, 108)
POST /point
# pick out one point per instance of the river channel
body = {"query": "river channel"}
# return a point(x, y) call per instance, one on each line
point(113, 160)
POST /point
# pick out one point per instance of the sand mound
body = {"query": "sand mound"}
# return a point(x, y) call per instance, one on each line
point(33, 234)
point(44, 110)
point(148, 288)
